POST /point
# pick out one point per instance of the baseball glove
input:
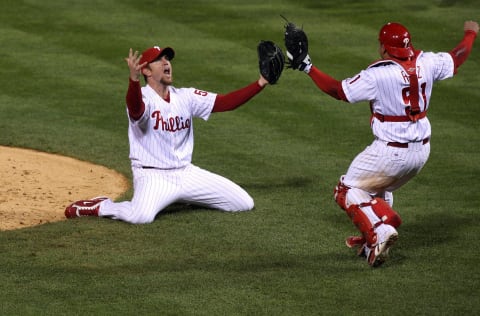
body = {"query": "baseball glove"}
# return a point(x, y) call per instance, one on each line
point(296, 42)
point(270, 61)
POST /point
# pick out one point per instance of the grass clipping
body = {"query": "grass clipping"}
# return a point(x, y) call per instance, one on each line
point(35, 187)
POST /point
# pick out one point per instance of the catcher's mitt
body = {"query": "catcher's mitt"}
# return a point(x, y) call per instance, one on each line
point(270, 61)
point(296, 42)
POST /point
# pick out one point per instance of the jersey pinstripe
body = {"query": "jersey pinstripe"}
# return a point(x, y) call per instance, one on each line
point(161, 147)
point(155, 189)
point(163, 136)
point(381, 169)
point(385, 84)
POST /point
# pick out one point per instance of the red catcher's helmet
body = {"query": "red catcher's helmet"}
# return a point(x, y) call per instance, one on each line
point(396, 40)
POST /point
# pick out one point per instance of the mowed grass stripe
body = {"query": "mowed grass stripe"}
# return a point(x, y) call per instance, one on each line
point(287, 147)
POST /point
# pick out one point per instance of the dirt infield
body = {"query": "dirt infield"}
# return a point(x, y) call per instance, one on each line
point(35, 187)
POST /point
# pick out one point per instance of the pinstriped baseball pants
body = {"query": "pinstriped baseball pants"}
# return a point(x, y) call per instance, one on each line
point(381, 169)
point(155, 189)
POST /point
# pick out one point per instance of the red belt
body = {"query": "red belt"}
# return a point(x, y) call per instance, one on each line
point(391, 118)
point(405, 145)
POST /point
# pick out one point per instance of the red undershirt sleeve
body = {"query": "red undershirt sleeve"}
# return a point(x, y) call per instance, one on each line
point(232, 100)
point(327, 84)
point(135, 104)
point(462, 50)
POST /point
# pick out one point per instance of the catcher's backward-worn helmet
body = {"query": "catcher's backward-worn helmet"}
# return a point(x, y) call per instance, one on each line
point(396, 40)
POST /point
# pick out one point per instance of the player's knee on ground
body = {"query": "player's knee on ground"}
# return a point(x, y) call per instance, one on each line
point(139, 218)
point(242, 205)
point(249, 204)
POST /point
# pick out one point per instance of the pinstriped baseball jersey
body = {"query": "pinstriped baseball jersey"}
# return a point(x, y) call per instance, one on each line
point(162, 140)
point(386, 84)
point(163, 136)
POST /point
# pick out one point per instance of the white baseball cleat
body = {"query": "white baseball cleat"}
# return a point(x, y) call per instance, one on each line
point(377, 254)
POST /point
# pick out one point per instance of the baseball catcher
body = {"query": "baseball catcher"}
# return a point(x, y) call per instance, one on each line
point(398, 89)
point(296, 42)
point(270, 61)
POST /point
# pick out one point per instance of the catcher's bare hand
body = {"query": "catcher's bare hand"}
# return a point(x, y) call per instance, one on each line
point(471, 26)
point(133, 60)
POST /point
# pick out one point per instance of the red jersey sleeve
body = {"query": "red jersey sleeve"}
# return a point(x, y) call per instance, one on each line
point(462, 50)
point(236, 98)
point(327, 84)
point(135, 104)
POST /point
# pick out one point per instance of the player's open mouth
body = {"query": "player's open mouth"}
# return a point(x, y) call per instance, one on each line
point(166, 71)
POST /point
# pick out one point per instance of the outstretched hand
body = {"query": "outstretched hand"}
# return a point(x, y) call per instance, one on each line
point(471, 26)
point(133, 60)
point(262, 82)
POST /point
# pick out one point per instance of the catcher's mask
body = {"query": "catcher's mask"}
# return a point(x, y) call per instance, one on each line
point(396, 40)
point(155, 53)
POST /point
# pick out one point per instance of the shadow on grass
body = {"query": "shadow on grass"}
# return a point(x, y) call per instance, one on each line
point(431, 229)
point(424, 234)
point(292, 182)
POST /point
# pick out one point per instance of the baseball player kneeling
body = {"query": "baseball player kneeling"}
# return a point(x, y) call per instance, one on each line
point(160, 134)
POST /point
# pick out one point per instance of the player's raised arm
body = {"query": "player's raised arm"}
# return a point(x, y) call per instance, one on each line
point(135, 104)
point(296, 42)
point(461, 52)
point(270, 62)
point(234, 99)
point(133, 62)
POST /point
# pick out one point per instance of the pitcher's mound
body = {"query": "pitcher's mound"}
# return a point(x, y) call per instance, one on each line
point(35, 187)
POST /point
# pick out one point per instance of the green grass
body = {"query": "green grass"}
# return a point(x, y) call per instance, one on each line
point(63, 88)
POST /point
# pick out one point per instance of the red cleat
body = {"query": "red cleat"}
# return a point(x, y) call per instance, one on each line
point(357, 241)
point(84, 208)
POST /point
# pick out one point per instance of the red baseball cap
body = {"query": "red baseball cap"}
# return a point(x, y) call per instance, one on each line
point(155, 52)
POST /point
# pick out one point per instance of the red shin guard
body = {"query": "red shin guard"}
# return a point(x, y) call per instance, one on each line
point(383, 210)
point(361, 221)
